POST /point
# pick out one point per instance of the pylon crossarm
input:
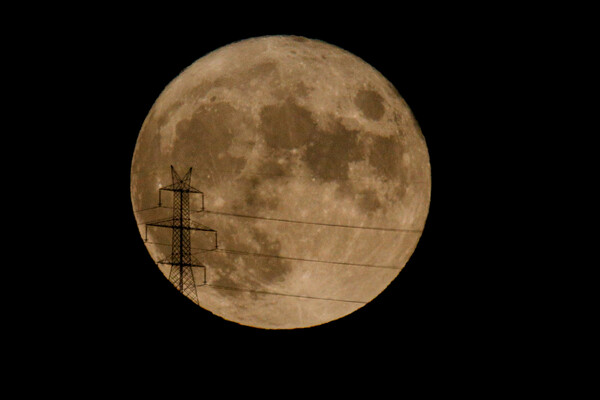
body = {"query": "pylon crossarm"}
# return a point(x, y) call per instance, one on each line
point(199, 227)
point(180, 188)
point(175, 223)
point(167, 262)
point(159, 222)
point(192, 263)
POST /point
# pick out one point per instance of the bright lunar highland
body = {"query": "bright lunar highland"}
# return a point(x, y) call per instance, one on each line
point(317, 144)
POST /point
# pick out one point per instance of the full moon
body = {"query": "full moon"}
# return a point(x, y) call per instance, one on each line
point(314, 172)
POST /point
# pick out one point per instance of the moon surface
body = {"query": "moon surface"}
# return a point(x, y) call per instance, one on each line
point(315, 175)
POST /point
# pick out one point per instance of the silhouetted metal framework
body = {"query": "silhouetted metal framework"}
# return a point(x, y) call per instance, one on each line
point(181, 259)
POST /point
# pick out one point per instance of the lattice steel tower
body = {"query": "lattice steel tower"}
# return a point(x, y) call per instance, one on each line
point(181, 259)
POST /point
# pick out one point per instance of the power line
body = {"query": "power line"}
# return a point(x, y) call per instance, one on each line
point(246, 253)
point(280, 294)
point(376, 228)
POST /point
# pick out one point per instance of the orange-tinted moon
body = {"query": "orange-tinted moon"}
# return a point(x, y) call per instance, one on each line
point(318, 145)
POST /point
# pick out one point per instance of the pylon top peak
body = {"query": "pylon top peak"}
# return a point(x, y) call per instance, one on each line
point(181, 184)
point(176, 178)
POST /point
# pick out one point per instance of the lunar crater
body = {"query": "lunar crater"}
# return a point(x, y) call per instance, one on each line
point(370, 104)
point(286, 125)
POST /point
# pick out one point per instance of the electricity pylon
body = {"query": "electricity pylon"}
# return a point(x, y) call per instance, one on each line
point(181, 259)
